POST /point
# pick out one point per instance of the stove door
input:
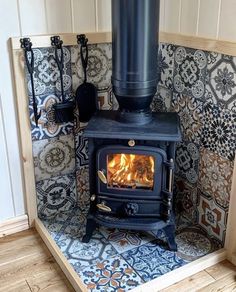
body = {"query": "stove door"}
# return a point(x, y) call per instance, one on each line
point(131, 172)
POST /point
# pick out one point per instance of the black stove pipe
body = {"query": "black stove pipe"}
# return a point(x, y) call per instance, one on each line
point(135, 25)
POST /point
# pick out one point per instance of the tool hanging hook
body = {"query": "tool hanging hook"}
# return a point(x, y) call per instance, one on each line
point(83, 42)
point(29, 58)
point(64, 112)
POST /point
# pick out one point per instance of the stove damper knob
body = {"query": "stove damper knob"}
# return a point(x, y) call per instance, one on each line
point(131, 209)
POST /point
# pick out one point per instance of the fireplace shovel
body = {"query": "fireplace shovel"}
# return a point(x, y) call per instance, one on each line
point(64, 112)
point(86, 93)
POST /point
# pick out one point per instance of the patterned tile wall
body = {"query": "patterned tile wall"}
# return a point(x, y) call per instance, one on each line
point(204, 95)
point(200, 86)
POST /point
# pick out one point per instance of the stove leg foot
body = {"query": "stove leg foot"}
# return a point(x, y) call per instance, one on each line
point(170, 235)
point(90, 227)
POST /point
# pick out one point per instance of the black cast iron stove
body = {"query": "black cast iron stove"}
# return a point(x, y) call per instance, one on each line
point(132, 151)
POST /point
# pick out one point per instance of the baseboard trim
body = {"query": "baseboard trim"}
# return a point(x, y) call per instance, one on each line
point(181, 273)
point(14, 225)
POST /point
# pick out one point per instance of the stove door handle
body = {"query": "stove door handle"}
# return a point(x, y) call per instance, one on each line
point(102, 176)
point(171, 176)
point(103, 207)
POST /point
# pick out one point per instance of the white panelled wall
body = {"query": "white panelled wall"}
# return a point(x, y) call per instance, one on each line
point(206, 18)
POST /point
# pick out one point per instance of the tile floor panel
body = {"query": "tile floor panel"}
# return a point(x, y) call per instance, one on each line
point(119, 260)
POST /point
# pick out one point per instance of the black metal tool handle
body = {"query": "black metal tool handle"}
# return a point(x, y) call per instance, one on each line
point(29, 58)
point(83, 42)
point(57, 43)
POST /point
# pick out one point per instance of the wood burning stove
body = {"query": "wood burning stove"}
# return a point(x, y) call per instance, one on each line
point(132, 151)
point(131, 173)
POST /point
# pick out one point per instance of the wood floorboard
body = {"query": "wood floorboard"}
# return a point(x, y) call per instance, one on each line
point(27, 265)
point(218, 278)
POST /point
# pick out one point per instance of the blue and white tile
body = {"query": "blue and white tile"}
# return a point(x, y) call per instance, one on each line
point(105, 99)
point(187, 161)
point(190, 72)
point(53, 227)
point(166, 64)
point(82, 178)
point(54, 195)
point(185, 202)
point(46, 73)
point(47, 127)
point(86, 254)
point(81, 144)
point(193, 244)
point(221, 85)
point(111, 275)
point(53, 157)
point(190, 111)
point(211, 216)
point(99, 66)
point(151, 261)
point(124, 240)
point(78, 126)
point(219, 131)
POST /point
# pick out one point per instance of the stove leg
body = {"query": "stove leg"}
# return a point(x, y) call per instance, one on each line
point(170, 235)
point(90, 227)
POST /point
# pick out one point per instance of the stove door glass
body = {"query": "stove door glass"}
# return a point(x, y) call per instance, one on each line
point(130, 171)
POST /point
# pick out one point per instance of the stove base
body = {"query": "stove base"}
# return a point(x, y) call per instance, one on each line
point(145, 224)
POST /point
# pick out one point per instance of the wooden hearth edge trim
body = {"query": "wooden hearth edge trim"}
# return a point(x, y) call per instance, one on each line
point(62, 261)
point(69, 39)
point(14, 225)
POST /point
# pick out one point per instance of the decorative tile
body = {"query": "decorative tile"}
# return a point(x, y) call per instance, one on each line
point(157, 104)
point(193, 244)
point(187, 161)
point(190, 72)
point(215, 177)
point(151, 260)
point(53, 227)
point(105, 99)
point(166, 64)
point(53, 157)
point(86, 254)
point(72, 224)
point(47, 128)
point(78, 126)
point(111, 275)
point(219, 131)
point(162, 100)
point(190, 113)
point(185, 201)
point(99, 66)
point(221, 85)
point(55, 195)
point(81, 144)
point(46, 73)
point(82, 177)
point(124, 240)
point(211, 216)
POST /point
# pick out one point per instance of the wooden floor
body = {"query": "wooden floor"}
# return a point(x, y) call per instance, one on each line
point(221, 277)
point(27, 265)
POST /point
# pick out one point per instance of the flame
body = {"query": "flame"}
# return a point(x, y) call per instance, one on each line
point(130, 170)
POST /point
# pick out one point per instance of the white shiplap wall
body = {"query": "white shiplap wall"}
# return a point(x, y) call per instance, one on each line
point(207, 18)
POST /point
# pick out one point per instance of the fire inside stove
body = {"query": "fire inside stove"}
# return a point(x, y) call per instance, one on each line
point(130, 171)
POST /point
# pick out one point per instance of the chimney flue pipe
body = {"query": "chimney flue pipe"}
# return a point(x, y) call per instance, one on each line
point(135, 25)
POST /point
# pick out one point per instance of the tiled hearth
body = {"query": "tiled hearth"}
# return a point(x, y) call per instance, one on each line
point(201, 87)
point(119, 260)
